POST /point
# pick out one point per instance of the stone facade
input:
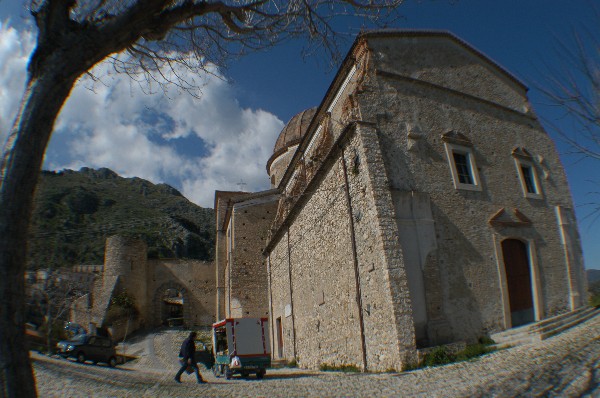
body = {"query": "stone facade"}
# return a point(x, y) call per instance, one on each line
point(243, 222)
point(424, 205)
point(164, 291)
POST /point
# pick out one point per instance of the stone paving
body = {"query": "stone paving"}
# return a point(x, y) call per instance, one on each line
point(567, 365)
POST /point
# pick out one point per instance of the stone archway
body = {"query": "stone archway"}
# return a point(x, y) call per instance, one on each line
point(171, 305)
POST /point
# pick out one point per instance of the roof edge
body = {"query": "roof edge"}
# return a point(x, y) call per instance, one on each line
point(441, 33)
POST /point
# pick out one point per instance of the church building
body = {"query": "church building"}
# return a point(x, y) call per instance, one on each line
point(421, 203)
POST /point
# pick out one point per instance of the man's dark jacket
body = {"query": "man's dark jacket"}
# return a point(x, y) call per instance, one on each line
point(188, 349)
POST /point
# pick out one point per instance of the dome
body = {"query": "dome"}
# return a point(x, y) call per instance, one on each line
point(294, 130)
point(291, 135)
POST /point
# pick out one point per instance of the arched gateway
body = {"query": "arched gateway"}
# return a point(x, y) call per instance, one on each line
point(171, 305)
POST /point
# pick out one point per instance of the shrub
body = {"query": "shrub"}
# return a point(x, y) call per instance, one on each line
point(292, 363)
point(121, 306)
point(486, 340)
point(594, 291)
point(123, 300)
point(338, 368)
point(441, 356)
point(438, 356)
point(595, 300)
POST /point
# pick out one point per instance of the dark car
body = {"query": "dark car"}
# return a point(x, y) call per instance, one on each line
point(88, 347)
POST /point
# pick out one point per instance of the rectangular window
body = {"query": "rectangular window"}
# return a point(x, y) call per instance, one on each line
point(528, 179)
point(463, 168)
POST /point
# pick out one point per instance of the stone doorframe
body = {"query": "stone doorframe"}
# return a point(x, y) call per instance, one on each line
point(536, 286)
point(159, 306)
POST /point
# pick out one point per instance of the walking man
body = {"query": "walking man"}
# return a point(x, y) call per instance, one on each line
point(188, 358)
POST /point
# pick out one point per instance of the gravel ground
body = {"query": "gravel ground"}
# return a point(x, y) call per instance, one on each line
point(566, 365)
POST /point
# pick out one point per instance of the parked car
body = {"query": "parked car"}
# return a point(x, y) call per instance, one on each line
point(85, 347)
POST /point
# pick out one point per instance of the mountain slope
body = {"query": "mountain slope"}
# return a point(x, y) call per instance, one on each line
point(75, 211)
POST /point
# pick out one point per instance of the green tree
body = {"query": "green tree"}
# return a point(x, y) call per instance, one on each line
point(141, 37)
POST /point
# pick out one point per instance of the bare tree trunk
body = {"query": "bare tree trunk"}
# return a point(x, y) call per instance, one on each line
point(21, 166)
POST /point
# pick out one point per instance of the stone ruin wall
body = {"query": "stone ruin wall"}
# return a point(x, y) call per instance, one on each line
point(126, 258)
point(196, 280)
point(127, 269)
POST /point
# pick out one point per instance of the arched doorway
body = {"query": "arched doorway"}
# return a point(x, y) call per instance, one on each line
point(518, 280)
point(172, 301)
point(170, 304)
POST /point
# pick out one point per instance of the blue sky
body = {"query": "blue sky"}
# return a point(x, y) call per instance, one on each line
point(194, 145)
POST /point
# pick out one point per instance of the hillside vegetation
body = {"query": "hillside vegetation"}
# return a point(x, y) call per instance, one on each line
point(593, 276)
point(75, 211)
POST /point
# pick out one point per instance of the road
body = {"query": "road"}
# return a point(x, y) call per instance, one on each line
point(565, 365)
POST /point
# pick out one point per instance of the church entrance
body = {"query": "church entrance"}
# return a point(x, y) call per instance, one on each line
point(518, 279)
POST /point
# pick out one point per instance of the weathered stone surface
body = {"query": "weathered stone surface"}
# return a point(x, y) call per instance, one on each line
point(243, 220)
point(127, 270)
point(422, 183)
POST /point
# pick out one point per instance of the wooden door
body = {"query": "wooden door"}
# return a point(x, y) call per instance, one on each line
point(518, 278)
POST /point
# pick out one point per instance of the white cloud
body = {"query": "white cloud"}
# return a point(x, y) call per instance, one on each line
point(15, 48)
point(195, 144)
point(243, 156)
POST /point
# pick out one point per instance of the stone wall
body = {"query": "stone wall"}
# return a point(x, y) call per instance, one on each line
point(323, 285)
point(411, 117)
point(127, 270)
point(194, 279)
point(374, 222)
point(386, 299)
point(126, 258)
point(280, 301)
point(247, 280)
point(445, 61)
point(223, 203)
point(345, 283)
point(341, 291)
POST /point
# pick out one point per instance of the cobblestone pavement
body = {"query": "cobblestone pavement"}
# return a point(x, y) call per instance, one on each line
point(565, 365)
